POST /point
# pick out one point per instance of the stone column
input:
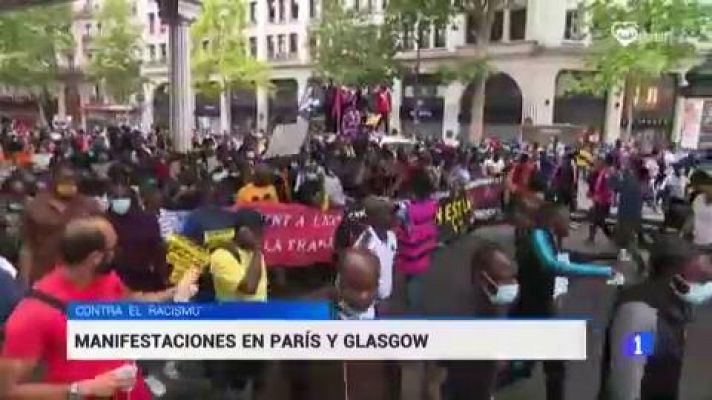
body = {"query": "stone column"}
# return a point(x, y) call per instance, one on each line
point(676, 134)
point(178, 14)
point(61, 102)
point(506, 25)
point(396, 99)
point(451, 111)
point(614, 112)
point(147, 107)
point(262, 108)
point(225, 120)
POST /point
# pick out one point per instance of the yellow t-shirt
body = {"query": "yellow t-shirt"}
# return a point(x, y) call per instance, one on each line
point(251, 193)
point(228, 272)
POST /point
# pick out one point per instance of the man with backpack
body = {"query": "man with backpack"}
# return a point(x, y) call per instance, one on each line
point(38, 324)
point(239, 273)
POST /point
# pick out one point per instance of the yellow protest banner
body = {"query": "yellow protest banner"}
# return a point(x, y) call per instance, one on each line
point(183, 254)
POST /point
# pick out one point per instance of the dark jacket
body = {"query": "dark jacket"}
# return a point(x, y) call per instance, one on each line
point(650, 307)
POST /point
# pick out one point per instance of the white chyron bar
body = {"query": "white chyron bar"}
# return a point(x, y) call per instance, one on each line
point(327, 340)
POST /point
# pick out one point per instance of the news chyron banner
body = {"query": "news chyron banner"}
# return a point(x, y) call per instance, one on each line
point(305, 331)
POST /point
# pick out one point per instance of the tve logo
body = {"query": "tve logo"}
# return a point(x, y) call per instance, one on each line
point(640, 344)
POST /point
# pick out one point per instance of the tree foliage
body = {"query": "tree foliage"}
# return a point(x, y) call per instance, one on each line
point(31, 43)
point(116, 51)
point(220, 56)
point(668, 31)
point(352, 48)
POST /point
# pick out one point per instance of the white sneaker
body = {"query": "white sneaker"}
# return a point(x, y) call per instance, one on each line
point(157, 388)
point(171, 370)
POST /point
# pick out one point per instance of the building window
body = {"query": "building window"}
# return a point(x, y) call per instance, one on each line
point(517, 24)
point(87, 29)
point(407, 39)
point(424, 36)
point(206, 43)
point(470, 30)
point(573, 30)
point(312, 43)
point(164, 51)
point(270, 46)
point(312, 8)
point(253, 12)
point(98, 28)
point(439, 36)
point(281, 12)
point(271, 11)
point(281, 43)
point(293, 43)
point(253, 46)
point(151, 52)
point(151, 23)
point(497, 27)
point(295, 9)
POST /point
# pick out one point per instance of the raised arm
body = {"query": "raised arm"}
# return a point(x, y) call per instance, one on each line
point(547, 256)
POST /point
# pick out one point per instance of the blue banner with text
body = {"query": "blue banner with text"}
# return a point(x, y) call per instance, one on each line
point(272, 310)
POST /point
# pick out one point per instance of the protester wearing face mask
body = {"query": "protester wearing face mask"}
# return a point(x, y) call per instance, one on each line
point(45, 218)
point(680, 280)
point(38, 322)
point(354, 293)
point(543, 261)
point(494, 290)
point(141, 261)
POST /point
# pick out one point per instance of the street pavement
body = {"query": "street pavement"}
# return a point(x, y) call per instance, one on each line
point(447, 292)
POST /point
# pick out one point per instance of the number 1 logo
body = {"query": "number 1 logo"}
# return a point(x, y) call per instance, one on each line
point(640, 344)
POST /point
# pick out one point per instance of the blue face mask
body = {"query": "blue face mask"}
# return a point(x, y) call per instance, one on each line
point(120, 206)
point(699, 293)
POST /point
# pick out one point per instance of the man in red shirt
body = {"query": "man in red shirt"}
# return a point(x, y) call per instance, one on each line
point(36, 332)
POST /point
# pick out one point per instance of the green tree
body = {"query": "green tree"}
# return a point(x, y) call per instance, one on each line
point(666, 33)
point(32, 41)
point(349, 47)
point(475, 69)
point(415, 18)
point(221, 59)
point(116, 51)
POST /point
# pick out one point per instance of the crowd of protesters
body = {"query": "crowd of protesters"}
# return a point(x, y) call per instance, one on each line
point(81, 221)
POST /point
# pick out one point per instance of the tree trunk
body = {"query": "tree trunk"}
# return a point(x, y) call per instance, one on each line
point(484, 31)
point(42, 100)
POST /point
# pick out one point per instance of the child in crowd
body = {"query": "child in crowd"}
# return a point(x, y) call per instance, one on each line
point(380, 240)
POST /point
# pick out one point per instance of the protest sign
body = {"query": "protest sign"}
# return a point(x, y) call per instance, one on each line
point(183, 254)
point(301, 236)
point(287, 139)
point(298, 236)
point(486, 197)
point(453, 217)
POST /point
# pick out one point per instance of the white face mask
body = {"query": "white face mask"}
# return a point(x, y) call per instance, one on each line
point(121, 206)
point(505, 294)
point(699, 293)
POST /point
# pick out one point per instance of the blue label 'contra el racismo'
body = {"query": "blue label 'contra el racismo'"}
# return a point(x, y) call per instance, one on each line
point(274, 310)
